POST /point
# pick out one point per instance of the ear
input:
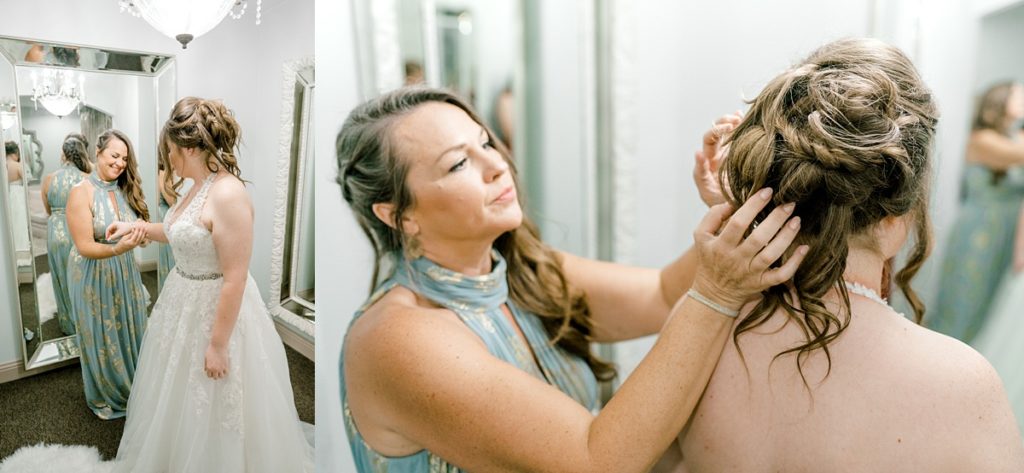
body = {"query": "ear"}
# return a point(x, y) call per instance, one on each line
point(385, 212)
point(891, 233)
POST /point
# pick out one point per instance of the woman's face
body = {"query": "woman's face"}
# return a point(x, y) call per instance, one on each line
point(112, 160)
point(1015, 103)
point(461, 185)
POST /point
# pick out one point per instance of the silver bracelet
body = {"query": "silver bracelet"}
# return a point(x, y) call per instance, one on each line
point(712, 304)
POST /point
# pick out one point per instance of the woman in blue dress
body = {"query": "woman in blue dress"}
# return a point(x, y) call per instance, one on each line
point(474, 352)
point(105, 286)
point(980, 244)
point(56, 187)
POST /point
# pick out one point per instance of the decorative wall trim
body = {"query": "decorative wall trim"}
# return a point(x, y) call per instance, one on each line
point(293, 322)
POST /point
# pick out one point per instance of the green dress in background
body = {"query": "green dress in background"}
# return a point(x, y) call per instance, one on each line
point(978, 253)
point(58, 241)
point(107, 299)
point(165, 262)
point(477, 301)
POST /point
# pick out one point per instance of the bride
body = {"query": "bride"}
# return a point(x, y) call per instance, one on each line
point(212, 390)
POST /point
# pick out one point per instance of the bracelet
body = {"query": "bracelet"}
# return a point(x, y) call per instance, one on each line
point(712, 304)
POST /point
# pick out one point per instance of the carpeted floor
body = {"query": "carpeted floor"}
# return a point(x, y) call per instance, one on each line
point(50, 407)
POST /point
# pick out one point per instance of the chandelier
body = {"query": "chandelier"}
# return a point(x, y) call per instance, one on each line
point(186, 20)
point(59, 90)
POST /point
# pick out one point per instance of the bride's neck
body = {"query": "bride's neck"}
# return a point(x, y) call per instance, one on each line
point(865, 267)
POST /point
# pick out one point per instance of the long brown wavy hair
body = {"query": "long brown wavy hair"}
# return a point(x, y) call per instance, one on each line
point(129, 180)
point(371, 171)
point(846, 135)
point(206, 125)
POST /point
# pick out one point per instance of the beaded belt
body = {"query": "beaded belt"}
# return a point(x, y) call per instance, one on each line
point(198, 277)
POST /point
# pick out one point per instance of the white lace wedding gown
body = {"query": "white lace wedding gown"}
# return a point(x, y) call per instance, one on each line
point(180, 420)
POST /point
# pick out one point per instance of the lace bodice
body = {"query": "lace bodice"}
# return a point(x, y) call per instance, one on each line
point(191, 242)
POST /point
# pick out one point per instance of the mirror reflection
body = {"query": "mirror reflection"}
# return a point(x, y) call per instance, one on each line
point(52, 122)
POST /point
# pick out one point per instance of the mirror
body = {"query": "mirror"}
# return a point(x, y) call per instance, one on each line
point(293, 284)
point(55, 90)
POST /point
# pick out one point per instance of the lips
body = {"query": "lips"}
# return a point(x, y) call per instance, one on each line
point(508, 195)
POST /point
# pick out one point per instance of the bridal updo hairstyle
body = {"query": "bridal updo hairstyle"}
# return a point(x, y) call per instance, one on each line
point(372, 170)
point(206, 125)
point(846, 135)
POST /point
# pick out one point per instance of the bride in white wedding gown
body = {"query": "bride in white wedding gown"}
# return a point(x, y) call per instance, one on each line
point(211, 390)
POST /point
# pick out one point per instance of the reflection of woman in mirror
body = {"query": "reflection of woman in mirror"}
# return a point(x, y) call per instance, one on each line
point(168, 197)
point(16, 196)
point(104, 284)
point(212, 391)
point(56, 187)
point(475, 351)
point(822, 374)
point(504, 116)
point(980, 244)
point(1000, 339)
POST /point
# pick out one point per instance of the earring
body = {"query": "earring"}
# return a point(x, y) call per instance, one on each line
point(412, 247)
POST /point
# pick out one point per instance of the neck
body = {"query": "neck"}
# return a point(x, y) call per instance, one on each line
point(195, 169)
point(469, 258)
point(865, 267)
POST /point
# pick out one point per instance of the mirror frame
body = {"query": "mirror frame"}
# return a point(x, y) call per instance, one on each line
point(65, 348)
point(298, 331)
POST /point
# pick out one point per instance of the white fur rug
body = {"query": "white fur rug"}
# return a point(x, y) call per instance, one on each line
point(43, 458)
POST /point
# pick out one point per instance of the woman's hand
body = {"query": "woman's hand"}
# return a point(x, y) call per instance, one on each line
point(707, 160)
point(733, 269)
point(117, 230)
point(135, 236)
point(216, 365)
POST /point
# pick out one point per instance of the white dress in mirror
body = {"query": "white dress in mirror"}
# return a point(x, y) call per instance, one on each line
point(181, 420)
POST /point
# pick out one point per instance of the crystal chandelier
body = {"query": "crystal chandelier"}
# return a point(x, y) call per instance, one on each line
point(59, 90)
point(186, 20)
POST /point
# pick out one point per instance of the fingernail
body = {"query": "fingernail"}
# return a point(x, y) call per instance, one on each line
point(765, 193)
point(788, 208)
point(794, 223)
point(803, 249)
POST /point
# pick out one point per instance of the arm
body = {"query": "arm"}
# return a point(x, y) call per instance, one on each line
point(993, 150)
point(987, 430)
point(231, 222)
point(43, 189)
point(434, 384)
point(80, 226)
point(629, 302)
point(151, 230)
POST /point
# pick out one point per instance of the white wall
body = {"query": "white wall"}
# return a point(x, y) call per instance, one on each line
point(345, 256)
point(238, 62)
point(999, 45)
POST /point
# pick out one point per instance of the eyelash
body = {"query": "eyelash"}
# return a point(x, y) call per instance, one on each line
point(489, 144)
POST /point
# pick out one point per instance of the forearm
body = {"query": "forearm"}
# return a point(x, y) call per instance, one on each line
point(228, 306)
point(154, 231)
point(644, 417)
point(96, 250)
point(677, 277)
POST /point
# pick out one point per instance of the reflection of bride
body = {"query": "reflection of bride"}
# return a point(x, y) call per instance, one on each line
point(16, 197)
point(1000, 338)
point(212, 389)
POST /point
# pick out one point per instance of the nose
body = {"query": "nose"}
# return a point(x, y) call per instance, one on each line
point(496, 166)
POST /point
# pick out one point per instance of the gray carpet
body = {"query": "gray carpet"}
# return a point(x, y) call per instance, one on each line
point(50, 407)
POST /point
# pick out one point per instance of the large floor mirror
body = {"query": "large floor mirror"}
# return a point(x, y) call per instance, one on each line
point(293, 269)
point(47, 91)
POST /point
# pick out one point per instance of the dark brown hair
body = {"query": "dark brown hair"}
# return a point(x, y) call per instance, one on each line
point(206, 125)
point(128, 181)
point(371, 171)
point(76, 151)
point(11, 148)
point(845, 134)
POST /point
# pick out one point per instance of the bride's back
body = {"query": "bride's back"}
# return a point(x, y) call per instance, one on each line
point(819, 383)
point(898, 398)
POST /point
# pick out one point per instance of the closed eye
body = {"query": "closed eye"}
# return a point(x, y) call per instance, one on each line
point(459, 165)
